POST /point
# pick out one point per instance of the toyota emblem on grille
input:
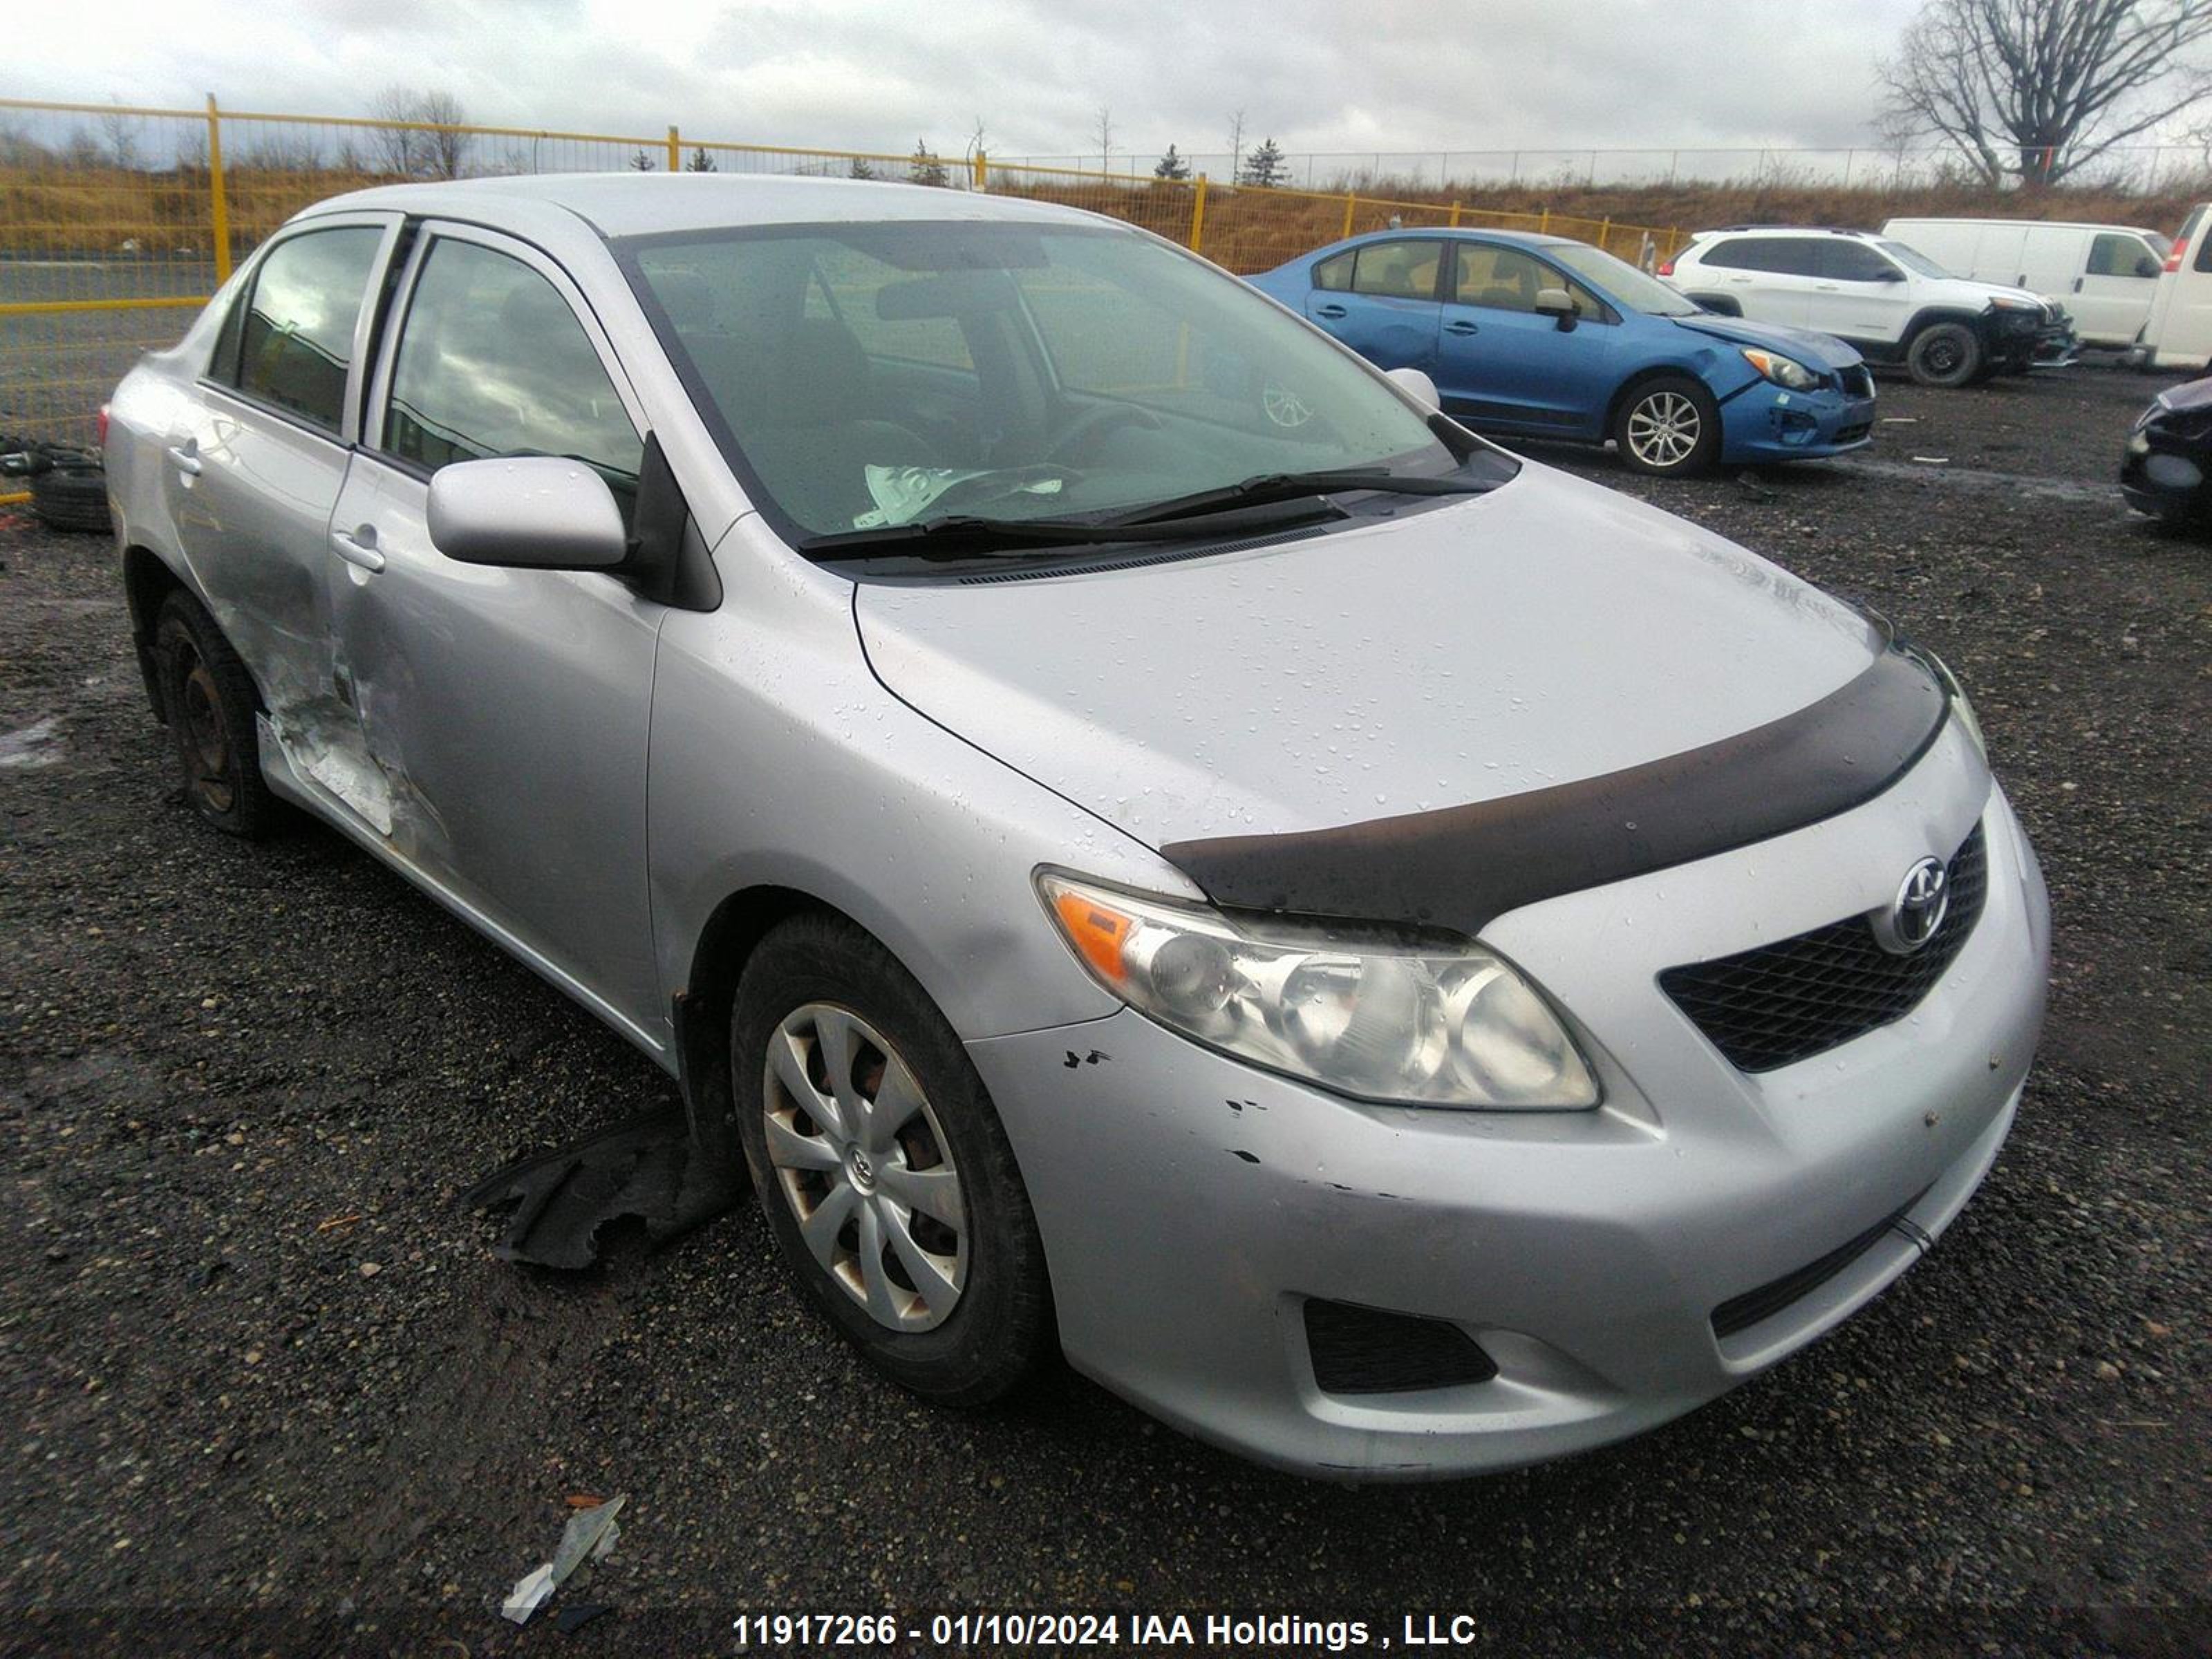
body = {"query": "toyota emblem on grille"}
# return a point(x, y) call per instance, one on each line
point(1916, 914)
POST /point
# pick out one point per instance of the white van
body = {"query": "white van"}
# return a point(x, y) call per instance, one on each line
point(2105, 275)
point(2179, 332)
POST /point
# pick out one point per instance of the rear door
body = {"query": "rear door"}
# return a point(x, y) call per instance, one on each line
point(1381, 299)
point(2111, 298)
point(1499, 361)
point(506, 710)
point(1771, 277)
point(255, 462)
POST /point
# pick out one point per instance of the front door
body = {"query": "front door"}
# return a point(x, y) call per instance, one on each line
point(1859, 293)
point(254, 467)
point(506, 710)
point(2110, 301)
point(1501, 362)
point(1380, 298)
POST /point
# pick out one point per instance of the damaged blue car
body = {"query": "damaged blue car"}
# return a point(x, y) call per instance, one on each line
point(1547, 337)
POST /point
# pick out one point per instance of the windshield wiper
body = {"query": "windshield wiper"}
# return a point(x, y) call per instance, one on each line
point(964, 535)
point(1278, 486)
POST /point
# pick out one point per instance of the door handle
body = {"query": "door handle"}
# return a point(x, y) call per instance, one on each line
point(357, 552)
point(1461, 326)
point(185, 462)
point(1331, 311)
point(2078, 281)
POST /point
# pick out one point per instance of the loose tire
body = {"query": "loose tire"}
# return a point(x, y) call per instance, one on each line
point(1945, 354)
point(209, 700)
point(70, 500)
point(881, 1166)
point(1669, 428)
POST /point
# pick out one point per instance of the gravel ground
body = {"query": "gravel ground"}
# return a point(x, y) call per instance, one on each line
point(261, 1366)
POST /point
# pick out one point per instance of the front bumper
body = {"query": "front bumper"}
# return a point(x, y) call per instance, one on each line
point(2168, 476)
point(1190, 1205)
point(1768, 423)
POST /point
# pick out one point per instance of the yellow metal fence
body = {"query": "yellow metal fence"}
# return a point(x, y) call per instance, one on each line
point(117, 222)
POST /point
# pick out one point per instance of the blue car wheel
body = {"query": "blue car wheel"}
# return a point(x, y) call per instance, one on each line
point(1670, 427)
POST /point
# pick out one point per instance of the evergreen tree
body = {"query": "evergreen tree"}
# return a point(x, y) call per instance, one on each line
point(926, 169)
point(641, 163)
point(1264, 167)
point(1171, 166)
point(699, 161)
point(861, 169)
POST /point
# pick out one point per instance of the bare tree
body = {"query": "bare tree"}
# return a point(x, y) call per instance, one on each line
point(1102, 133)
point(396, 150)
point(640, 161)
point(2036, 89)
point(120, 133)
point(447, 147)
point(699, 161)
point(429, 147)
point(1236, 144)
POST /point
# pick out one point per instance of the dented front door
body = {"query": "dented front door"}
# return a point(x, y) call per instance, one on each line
point(506, 711)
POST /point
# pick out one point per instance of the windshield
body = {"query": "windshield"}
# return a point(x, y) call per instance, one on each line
point(1913, 259)
point(870, 375)
point(1621, 281)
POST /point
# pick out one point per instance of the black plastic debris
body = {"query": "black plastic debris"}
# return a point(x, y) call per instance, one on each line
point(645, 1168)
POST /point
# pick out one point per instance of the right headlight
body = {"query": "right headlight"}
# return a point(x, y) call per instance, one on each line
point(1415, 1026)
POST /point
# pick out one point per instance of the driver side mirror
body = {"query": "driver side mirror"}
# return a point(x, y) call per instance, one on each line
point(526, 513)
point(1558, 304)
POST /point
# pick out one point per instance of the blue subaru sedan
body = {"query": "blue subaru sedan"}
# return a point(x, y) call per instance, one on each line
point(1546, 336)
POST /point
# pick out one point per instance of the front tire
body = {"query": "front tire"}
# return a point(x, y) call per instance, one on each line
point(209, 700)
point(882, 1168)
point(1668, 428)
point(1945, 354)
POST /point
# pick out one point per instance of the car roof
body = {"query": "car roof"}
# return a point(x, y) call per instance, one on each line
point(642, 203)
point(1786, 230)
point(1465, 234)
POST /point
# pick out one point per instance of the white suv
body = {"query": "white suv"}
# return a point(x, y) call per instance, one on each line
point(1893, 302)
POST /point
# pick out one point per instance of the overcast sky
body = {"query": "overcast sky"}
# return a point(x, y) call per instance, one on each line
point(1328, 75)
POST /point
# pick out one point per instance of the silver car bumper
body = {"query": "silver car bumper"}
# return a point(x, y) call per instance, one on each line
point(1190, 1204)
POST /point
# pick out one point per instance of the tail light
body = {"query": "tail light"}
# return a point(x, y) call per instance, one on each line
point(1667, 266)
point(100, 428)
point(2173, 258)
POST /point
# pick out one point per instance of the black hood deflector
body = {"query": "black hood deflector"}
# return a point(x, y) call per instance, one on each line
point(1461, 868)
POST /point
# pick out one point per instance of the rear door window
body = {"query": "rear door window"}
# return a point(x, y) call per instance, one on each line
point(492, 361)
point(289, 342)
point(1739, 253)
point(1398, 270)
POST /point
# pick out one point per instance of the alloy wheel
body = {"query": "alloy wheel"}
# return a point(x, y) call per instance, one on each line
point(860, 1157)
point(1663, 430)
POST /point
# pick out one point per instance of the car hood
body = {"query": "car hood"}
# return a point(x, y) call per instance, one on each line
point(1547, 632)
point(1815, 350)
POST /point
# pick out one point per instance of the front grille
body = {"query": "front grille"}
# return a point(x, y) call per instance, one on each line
point(1786, 1002)
point(1358, 1350)
point(1852, 435)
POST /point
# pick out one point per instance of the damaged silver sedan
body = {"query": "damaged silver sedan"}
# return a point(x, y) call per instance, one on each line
point(1142, 838)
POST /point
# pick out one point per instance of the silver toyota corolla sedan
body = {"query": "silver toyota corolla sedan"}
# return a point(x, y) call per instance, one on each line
point(1142, 836)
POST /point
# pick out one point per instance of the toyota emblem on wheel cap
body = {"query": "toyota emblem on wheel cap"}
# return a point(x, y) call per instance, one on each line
point(1916, 914)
